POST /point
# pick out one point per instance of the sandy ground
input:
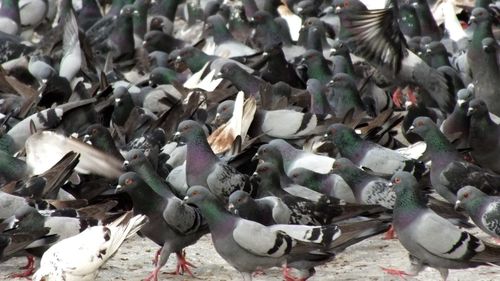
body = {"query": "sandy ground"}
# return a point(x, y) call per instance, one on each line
point(359, 262)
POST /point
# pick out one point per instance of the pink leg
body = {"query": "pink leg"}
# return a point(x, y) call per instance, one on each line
point(30, 269)
point(258, 272)
point(389, 235)
point(156, 258)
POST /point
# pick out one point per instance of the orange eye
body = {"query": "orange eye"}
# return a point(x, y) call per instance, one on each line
point(466, 195)
point(397, 180)
point(129, 181)
point(194, 193)
point(135, 156)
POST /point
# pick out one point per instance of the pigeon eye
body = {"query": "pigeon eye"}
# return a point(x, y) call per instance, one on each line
point(94, 131)
point(194, 193)
point(466, 195)
point(397, 180)
point(135, 156)
point(129, 181)
point(420, 123)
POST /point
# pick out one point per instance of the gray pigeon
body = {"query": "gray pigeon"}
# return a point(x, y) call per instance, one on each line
point(171, 225)
point(203, 167)
point(249, 246)
point(484, 210)
point(370, 155)
point(430, 239)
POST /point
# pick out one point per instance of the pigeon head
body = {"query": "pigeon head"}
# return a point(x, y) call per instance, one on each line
point(469, 196)
point(94, 133)
point(489, 45)
point(339, 48)
point(162, 75)
point(267, 153)
point(342, 163)
point(197, 195)
point(228, 70)
point(134, 158)
point(342, 80)
point(479, 15)
point(477, 107)
point(421, 126)
point(310, 57)
point(435, 47)
point(224, 112)
point(128, 10)
point(341, 135)
point(238, 200)
point(464, 96)
point(123, 105)
point(261, 17)
point(189, 130)
point(403, 183)
point(128, 182)
point(303, 176)
point(216, 26)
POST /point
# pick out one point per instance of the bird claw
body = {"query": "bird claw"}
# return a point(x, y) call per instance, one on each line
point(156, 258)
point(182, 265)
point(288, 277)
point(258, 273)
point(153, 276)
point(25, 274)
point(396, 272)
point(30, 264)
point(397, 98)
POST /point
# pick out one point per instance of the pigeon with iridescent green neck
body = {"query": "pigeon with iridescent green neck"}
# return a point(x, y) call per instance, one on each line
point(205, 168)
point(449, 170)
point(370, 155)
point(172, 225)
point(249, 246)
point(484, 210)
point(430, 239)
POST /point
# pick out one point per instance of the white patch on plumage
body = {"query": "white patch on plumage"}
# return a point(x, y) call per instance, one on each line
point(294, 22)
point(45, 149)
point(286, 124)
point(454, 29)
point(259, 239)
point(413, 151)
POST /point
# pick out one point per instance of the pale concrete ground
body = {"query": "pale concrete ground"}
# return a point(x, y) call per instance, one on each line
point(359, 262)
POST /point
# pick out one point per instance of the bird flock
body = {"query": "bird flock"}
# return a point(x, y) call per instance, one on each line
point(287, 130)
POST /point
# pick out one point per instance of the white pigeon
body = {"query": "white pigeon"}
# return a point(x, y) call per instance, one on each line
point(78, 258)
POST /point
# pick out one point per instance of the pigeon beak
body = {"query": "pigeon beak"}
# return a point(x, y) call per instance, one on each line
point(176, 137)
point(265, 54)
point(135, 13)
point(86, 139)
point(460, 102)
point(255, 173)
point(472, 19)
point(125, 164)
point(390, 185)
point(118, 100)
point(232, 209)
point(458, 205)
point(332, 52)
point(408, 104)
point(185, 200)
point(178, 59)
point(118, 189)
point(410, 130)
point(470, 111)
point(428, 51)
point(255, 157)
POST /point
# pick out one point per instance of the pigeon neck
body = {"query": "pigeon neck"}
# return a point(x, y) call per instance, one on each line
point(199, 160)
point(483, 30)
point(106, 143)
point(219, 219)
point(10, 9)
point(121, 113)
point(349, 145)
point(437, 143)
point(319, 69)
point(196, 62)
point(124, 36)
point(408, 203)
point(270, 184)
point(439, 60)
point(145, 170)
point(481, 127)
point(145, 200)
point(319, 103)
point(11, 167)
point(140, 21)
point(221, 33)
point(7, 144)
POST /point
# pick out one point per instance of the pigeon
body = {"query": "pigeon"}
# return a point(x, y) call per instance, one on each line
point(449, 171)
point(10, 20)
point(483, 136)
point(430, 239)
point(164, 226)
point(483, 209)
point(80, 257)
point(203, 167)
point(234, 238)
point(370, 155)
point(484, 65)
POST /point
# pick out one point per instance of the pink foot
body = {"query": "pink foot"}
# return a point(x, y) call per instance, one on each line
point(258, 273)
point(288, 276)
point(30, 264)
point(30, 269)
point(157, 257)
point(183, 265)
point(397, 98)
point(390, 234)
point(396, 272)
point(153, 276)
